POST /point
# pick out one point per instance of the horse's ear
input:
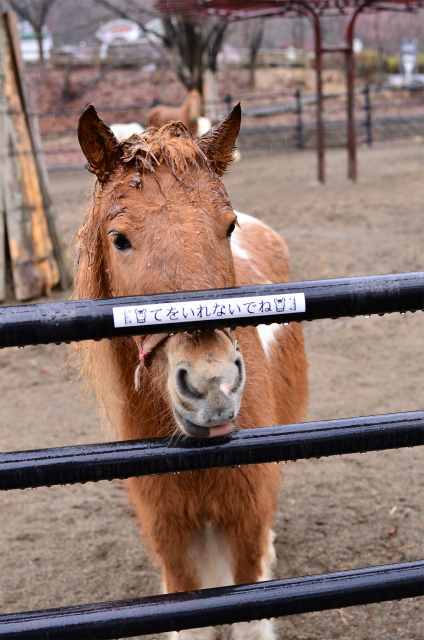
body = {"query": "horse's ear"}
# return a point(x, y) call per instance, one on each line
point(218, 143)
point(98, 143)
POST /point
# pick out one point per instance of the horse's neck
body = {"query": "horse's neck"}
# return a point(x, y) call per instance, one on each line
point(126, 413)
point(145, 414)
point(185, 111)
point(190, 108)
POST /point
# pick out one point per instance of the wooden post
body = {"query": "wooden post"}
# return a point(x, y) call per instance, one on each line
point(26, 278)
point(37, 255)
point(3, 157)
point(59, 250)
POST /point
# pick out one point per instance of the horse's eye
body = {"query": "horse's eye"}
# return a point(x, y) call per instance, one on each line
point(121, 242)
point(231, 229)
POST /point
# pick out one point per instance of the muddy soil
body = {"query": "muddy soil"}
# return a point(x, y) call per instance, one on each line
point(80, 544)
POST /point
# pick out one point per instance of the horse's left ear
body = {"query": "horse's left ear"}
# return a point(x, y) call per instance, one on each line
point(218, 143)
point(98, 143)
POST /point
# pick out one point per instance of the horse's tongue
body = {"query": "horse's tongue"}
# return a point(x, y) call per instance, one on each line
point(221, 429)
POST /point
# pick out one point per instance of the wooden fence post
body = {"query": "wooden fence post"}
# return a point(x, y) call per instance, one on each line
point(37, 256)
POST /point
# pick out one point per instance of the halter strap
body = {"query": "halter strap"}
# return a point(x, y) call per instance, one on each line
point(149, 343)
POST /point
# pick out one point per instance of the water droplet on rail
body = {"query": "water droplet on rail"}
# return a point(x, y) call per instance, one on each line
point(366, 316)
point(338, 455)
point(363, 453)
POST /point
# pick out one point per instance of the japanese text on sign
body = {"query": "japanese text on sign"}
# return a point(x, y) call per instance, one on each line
point(201, 310)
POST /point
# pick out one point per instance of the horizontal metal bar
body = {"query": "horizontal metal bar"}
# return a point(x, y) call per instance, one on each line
point(211, 607)
point(336, 50)
point(93, 319)
point(91, 463)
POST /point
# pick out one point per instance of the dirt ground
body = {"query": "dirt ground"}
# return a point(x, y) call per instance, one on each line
point(80, 544)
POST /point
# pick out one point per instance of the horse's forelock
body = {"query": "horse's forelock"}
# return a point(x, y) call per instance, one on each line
point(171, 145)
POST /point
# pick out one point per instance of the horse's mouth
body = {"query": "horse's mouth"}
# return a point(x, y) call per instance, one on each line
point(197, 431)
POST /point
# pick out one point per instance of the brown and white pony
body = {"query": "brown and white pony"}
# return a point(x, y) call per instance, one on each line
point(188, 113)
point(160, 220)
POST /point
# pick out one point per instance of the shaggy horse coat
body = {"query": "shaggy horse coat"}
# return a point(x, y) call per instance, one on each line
point(160, 220)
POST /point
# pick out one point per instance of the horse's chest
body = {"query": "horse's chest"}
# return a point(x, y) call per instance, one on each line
point(210, 554)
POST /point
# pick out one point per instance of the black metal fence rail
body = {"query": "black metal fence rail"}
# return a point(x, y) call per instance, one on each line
point(93, 319)
point(211, 607)
point(56, 322)
point(91, 463)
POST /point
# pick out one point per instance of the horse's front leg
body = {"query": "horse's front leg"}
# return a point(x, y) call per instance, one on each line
point(215, 559)
point(253, 559)
point(176, 580)
point(181, 575)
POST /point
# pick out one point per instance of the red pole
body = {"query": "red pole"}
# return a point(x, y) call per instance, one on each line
point(320, 118)
point(314, 18)
point(350, 80)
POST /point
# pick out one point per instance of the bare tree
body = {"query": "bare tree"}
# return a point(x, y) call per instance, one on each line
point(35, 12)
point(194, 46)
point(192, 43)
point(256, 35)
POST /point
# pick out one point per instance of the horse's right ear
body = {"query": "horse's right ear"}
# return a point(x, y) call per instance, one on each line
point(98, 143)
point(218, 143)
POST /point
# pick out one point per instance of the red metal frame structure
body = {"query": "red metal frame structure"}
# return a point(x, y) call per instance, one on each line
point(313, 10)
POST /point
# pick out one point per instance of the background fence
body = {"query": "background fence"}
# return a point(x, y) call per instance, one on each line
point(53, 322)
point(277, 120)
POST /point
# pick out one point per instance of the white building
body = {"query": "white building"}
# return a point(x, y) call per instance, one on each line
point(29, 42)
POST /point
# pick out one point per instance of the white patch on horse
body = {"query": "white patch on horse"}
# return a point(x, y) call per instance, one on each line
point(244, 218)
point(268, 335)
point(269, 558)
point(207, 633)
point(123, 131)
point(237, 238)
point(255, 630)
point(211, 555)
point(238, 251)
point(203, 125)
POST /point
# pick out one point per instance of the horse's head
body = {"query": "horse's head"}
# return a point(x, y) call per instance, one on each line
point(161, 221)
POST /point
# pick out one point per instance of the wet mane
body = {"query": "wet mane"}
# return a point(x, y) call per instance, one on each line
point(172, 145)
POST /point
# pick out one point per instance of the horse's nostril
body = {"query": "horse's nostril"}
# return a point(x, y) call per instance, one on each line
point(183, 385)
point(240, 368)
